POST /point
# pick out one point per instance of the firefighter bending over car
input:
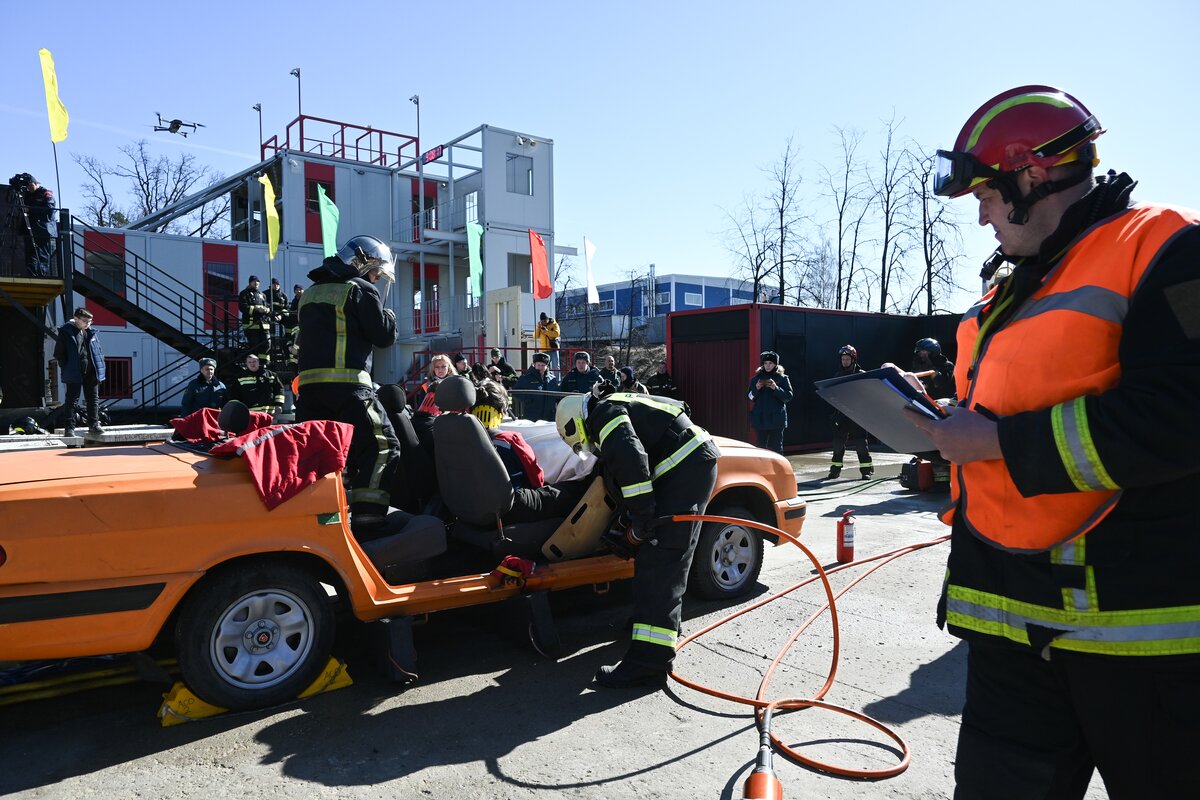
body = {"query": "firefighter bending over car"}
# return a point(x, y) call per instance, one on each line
point(657, 464)
point(342, 317)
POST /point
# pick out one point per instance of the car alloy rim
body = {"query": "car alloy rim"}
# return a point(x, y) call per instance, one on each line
point(262, 638)
point(732, 556)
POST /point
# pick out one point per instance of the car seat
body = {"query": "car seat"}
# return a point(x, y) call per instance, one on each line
point(477, 490)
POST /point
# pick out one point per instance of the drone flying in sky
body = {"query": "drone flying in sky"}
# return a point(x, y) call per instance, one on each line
point(175, 125)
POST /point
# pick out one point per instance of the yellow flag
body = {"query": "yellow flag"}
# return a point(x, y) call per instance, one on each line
point(272, 217)
point(54, 107)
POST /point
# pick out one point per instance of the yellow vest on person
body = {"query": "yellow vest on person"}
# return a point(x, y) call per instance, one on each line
point(1079, 311)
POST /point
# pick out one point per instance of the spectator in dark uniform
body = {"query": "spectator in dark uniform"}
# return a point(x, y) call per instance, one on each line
point(43, 225)
point(462, 365)
point(609, 371)
point(845, 431)
point(927, 355)
point(661, 383)
point(537, 377)
point(205, 391)
point(500, 370)
point(771, 391)
point(583, 377)
point(278, 302)
point(81, 360)
point(256, 317)
point(258, 387)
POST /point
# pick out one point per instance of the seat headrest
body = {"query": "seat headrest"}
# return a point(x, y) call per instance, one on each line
point(234, 417)
point(456, 393)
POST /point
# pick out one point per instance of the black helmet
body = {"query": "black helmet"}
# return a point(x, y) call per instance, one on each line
point(27, 426)
point(848, 350)
point(932, 345)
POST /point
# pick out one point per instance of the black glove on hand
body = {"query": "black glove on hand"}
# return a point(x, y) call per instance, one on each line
point(622, 543)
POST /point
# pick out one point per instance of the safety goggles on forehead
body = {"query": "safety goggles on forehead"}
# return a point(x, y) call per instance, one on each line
point(956, 173)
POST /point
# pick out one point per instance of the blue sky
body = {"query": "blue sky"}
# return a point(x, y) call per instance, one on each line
point(663, 114)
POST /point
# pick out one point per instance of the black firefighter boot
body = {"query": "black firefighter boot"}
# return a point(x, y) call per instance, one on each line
point(834, 472)
point(628, 675)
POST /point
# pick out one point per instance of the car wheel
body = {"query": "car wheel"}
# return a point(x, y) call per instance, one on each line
point(254, 636)
point(728, 557)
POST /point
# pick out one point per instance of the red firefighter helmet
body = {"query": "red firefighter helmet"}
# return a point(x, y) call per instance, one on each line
point(1020, 128)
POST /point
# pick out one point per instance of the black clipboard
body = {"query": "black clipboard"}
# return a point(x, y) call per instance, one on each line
point(877, 400)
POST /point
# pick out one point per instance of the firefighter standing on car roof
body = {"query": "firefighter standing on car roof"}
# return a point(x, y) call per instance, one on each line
point(258, 387)
point(657, 464)
point(1075, 540)
point(845, 430)
point(342, 317)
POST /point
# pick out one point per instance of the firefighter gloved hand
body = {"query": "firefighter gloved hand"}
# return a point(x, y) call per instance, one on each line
point(624, 543)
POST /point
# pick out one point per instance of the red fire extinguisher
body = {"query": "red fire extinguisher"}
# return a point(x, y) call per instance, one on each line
point(845, 538)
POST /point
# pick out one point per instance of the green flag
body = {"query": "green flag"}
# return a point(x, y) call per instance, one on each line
point(329, 221)
point(474, 237)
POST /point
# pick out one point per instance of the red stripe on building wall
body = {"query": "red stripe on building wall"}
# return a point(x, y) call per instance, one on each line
point(313, 173)
point(112, 243)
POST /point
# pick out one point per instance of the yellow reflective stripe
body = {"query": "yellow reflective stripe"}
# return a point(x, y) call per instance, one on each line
point(635, 489)
point(610, 427)
point(641, 399)
point(652, 635)
point(377, 496)
point(310, 376)
point(384, 451)
point(1152, 631)
point(333, 294)
point(699, 437)
point(1076, 448)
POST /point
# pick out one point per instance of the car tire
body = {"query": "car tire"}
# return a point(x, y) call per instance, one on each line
point(283, 607)
point(728, 557)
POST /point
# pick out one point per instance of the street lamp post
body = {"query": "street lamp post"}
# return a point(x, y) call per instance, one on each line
point(258, 107)
point(299, 107)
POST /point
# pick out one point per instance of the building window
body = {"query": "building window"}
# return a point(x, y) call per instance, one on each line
point(520, 272)
point(693, 299)
point(471, 202)
point(118, 378)
point(220, 296)
point(605, 307)
point(107, 269)
point(519, 174)
point(662, 298)
point(313, 200)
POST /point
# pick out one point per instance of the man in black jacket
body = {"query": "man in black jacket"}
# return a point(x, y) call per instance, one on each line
point(258, 387)
point(40, 208)
point(206, 390)
point(342, 317)
point(537, 377)
point(81, 362)
point(658, 465)
point(583, 377)
point(845, 430)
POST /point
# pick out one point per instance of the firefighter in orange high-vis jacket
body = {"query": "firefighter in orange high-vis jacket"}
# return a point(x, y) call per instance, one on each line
point(1075, 447)
point(657, 464)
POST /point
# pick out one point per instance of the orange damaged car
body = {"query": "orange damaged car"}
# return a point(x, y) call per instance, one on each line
point(112, 549)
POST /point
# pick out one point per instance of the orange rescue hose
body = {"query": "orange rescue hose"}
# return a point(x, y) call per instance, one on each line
point(760, 701)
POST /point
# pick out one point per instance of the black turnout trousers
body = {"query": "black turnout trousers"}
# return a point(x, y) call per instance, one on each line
point(374, 448)
point(1034, 728)
point(660, 570)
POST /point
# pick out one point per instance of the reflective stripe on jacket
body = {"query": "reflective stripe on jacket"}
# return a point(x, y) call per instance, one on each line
point(1079, 311)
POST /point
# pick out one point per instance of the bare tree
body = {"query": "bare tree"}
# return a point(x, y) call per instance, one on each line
point(783, 200)
point(749, 240)
point(847, 191)
point(816, 268)
point(891, 198)
point(940, 239)
point(154, 183)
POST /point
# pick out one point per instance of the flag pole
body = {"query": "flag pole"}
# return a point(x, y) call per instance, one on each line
point(57, 181)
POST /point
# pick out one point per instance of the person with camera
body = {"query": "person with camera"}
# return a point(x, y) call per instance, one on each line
point(771, 391)
point(41, 228)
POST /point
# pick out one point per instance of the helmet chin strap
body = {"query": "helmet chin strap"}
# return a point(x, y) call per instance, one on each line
point(1006, 184)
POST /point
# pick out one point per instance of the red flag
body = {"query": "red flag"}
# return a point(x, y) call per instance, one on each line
point(542, 288)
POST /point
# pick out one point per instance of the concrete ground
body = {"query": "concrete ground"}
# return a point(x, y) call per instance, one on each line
point(490, 718)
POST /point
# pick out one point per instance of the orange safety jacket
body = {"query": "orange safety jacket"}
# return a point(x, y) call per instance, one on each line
point(1079, 308)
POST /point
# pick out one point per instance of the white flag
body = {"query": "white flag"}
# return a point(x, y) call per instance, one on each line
point(589, 250)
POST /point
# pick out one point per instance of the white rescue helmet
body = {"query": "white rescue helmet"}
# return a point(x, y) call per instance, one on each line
point(569, 419)
point(366, 253)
